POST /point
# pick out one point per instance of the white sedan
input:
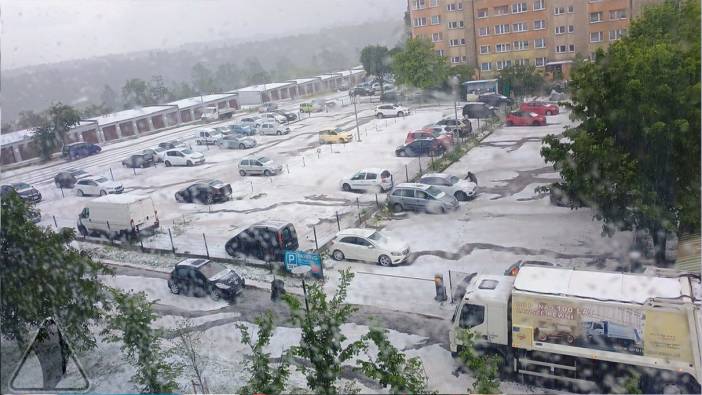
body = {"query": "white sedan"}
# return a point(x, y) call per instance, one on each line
point(183, 157)
point(391, 110)
point(368, 245)
point(462, 190)
point(97, 185)
point(372, 179)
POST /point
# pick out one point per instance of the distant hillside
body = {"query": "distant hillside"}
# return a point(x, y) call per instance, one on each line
point(81, 82)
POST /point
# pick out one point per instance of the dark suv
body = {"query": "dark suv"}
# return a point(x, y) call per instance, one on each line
point(68, 178)
point(421, 147)
point(266, 240)
point(200, 277)
point(205, 192)
point(478, 110)
point(79, 150)
point(25, 191)
point(495, 100)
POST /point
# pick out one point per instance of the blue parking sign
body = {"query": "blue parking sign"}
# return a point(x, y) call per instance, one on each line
point(295, 259)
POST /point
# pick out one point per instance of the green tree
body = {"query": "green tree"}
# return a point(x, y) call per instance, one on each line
point(203, 79)
point(131, 324)
point(182, 90)
point(135, 93)
point(254, 72)
point(188, 341)
point(418, 65)
point(521, 79)
point(321, 343)
point(635, 155)
point(93, 110)
point(42, 276)
point(108, 97)
point(391, 367)
point(376, 61)
point(158, 91)
point(264, 378)
point(54, 125)
point(29, 119)
point(485, 368)
point(228, 76)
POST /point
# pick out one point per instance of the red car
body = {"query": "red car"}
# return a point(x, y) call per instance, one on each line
point(539, 107)
point(525, 118)
point(442, 136)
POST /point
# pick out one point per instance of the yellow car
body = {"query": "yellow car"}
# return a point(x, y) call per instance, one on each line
point(335, 136)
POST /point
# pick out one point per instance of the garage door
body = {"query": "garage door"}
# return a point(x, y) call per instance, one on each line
point(90, 136)
point(8, 156)
point(157, 121)
point(110, 132)
point(186, 116)
point(143, 125)
point(127, 129)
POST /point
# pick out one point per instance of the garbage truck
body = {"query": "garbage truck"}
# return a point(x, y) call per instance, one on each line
point(586, 330)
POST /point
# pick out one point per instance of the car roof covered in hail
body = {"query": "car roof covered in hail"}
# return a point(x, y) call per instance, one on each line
point(359, 232)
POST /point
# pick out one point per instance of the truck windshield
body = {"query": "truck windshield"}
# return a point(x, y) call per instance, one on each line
point(471, 315)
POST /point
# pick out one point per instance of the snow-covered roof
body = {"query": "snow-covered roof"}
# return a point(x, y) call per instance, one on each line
point(345, 73)
point(199, 100)
point(124, 198)
point(264, 87)
point(16, 136)
point(605, 286)
point(328, 76)
point(303, 80)
point(128, 114)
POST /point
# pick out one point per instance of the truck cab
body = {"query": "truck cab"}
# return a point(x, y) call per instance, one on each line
point(484, 310)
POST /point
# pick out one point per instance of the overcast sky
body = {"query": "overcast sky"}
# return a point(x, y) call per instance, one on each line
point(47, 31)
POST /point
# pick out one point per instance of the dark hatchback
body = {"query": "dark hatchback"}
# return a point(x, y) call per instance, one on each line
point(201, 277)
point(138, 160)
point(266, 240)
point(421, 147)
point(495, 100)
point(79, 150)
point(68, 178)
point(205, 192)
point(25, 191)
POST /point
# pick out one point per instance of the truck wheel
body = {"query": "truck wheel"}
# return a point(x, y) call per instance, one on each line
point(570, 339)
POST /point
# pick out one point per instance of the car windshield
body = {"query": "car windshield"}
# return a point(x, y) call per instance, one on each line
point(211, 269)
point(214, 182)
point(187, 151)
point(263, 159)
point(21, 185)
point(377, 236)
point(453, 180)
point(435, 192)
point(101, 180)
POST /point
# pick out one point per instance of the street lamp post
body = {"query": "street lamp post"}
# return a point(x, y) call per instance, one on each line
point(355, 111)
point(454, 83)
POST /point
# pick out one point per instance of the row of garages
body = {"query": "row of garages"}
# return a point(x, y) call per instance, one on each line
point(18, 146)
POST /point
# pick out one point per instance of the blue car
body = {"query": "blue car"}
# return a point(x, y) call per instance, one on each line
point(242, 129)
point(79, 150)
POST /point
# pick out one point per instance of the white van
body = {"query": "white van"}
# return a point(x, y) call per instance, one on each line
point(117, 216)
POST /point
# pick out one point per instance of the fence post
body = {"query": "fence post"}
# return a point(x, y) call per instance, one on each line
point(338, 223)
point(406, 174)
point(358, 204)
point(55, 224)
point(141, 242)
point(376, 201)
point(288, 167)
point(62, 195)
point(207, 250)
point(109, 233)
point(251, 182)
point(314, 231)
point(170, 236)
point(420, 165)
point(360, 221)
point(303, 161)
point(134, 169)
point(111, 175)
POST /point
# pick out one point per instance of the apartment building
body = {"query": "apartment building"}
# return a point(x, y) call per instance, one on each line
point(494, 34)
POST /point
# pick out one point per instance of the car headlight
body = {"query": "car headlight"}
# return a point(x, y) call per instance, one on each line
point(396, 253)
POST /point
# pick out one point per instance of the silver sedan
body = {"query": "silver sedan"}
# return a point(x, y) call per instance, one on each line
point(234, 141)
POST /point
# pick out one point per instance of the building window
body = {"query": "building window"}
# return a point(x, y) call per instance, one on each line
point(435, 19)
point(454, 7)
point(418, 22)
point(617, 14)
point(433, 3)
point(464, 59)
point(418, 5)
point(484, 31)
point(455, 25)
point(521, 62)
point(540, 24)
point(519, 27)
point(439, 52)
point(456, 42)
point(502, 29)
point(571, 9)
point(540, 62)
point(558, 10)
point(596, 37)
point(485, 66)
point(596, 17)
point(560, 30)
point(483, 13)
point(571, 29)
point(502, 47)
point(502, 10)
point(565, 48)
point(455, 59)
point(436, 37)
point(501, 64)
point(539, 5)
point(520, 45)
point(616, 34)
point(540, 43)
point(519, 8)
point(484, 49)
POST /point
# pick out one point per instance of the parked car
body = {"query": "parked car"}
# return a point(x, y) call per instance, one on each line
point(273, 128)
point(462, 190)
point(389, 96)
point(156, 153)
point(173, 144)
point(138, 160)
point(205, 192)
point(97, 185)
point(523, 118)
point(461, 126)
point(268, 107)
point(539, 107)
point(223, 130)
point(335, 136)
point(391, 110)
point(274, 117)
point(126, 215)
point(438, 133)
point(267, 240)
point(33, 215)
point(79, 150)
point(421, 147)
point(310, 107)
point(202, 277)
point(241, 129)
point(68, 178)
point(252, 122)
point(25, 191)
point(261, 165)
point(494, 99)
point(371, 179)
point(361, 91)
point(183, 157)
point(290, 116)
point(236, 141)
point(478, 110)
point(368, 245)
point(421, 197)
point(207, 136)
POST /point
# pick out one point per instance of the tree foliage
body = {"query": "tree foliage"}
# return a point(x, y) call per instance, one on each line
point(521, 79)
point(254, 72)
point(418, 65)
point(55, 123)
point(188, 341)
point(321, 343)
point(391, 367)
point(131, 324)
point(635, 155)
point(376, 61)
point(108, 97)
point(136, 93)
point(43, 277)
point(264, 377)
point(485, 367)
point(203, 79)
